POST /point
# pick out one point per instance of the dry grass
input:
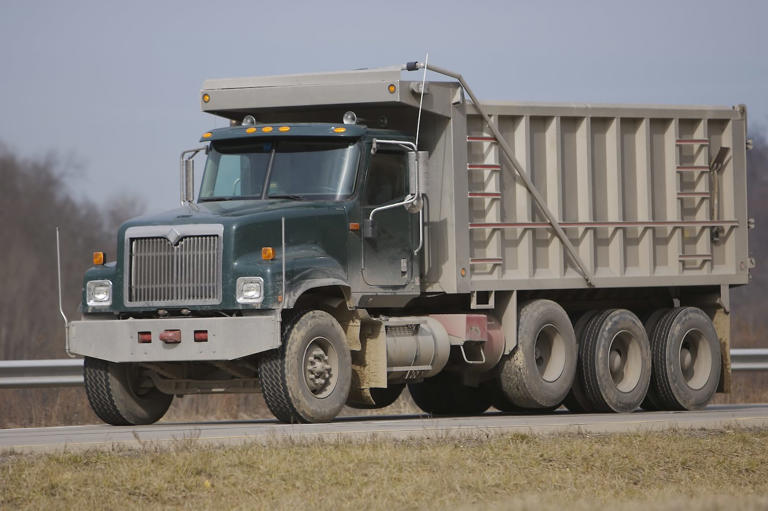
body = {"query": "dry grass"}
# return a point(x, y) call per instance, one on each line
point(724, 470)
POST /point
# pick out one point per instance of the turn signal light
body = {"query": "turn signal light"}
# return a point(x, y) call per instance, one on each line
point(354, 226)
point(98, 258)
point(206, 98)
point(391, 88)
point(267, 253)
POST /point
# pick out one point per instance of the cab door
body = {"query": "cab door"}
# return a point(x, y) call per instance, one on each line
point(388, 243)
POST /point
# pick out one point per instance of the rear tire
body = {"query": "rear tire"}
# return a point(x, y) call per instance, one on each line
point(122, 394)
point(308, 378)
point(576, 401)
point(652, 402)
point(616, 362)
point(686, 359)
point(445, 394)
point(540, 370)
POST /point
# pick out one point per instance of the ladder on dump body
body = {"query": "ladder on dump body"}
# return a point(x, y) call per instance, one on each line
point(488, 196)
point(689, 175)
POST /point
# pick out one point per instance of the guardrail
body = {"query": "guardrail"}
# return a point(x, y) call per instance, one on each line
point(16, 374)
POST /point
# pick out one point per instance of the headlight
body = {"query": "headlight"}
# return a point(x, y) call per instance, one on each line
point(98, 293)
point(250, 290)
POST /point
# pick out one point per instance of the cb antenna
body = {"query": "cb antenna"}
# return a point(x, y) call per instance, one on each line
point(421, 99)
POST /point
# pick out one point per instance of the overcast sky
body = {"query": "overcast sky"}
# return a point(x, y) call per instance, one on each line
point(114, 86)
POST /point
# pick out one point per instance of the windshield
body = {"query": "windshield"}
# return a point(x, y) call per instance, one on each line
point(296, 169)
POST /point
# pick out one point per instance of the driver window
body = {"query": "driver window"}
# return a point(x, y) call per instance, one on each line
point(387, 177)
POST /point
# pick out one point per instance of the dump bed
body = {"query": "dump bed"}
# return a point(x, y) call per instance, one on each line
point(647, 195)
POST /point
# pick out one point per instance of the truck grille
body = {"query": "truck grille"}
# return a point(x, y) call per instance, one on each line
point(185, 273)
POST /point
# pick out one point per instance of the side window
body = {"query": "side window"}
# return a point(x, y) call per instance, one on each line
point(387, 176)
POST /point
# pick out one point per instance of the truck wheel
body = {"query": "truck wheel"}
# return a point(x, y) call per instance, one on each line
point(308, 378)
point(686, 359)
point(122, 394)
point(445, 394)
point(540, 370)
point(652, 402)
point(616, 362)
point(576, 401)
point(381, 397)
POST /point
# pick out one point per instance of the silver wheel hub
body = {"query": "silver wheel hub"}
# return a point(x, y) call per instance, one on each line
point(320, 367)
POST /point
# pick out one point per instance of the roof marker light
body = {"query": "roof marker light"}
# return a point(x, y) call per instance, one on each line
point(339, 130)
point(267, 129)
point(207, 135)
point(284, 128)
point(391, 88)
point(250, 130)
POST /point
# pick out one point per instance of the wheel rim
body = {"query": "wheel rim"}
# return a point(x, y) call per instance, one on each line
point(695, 359)
point(625, 361)
point(321, 363)
point(549, 353)
point(139, 382)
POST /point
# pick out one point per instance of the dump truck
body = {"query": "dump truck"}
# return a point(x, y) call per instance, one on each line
point(358, 232)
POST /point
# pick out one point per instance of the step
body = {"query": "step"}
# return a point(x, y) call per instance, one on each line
point(483, 166)
point(482, 138)
point(484, 195)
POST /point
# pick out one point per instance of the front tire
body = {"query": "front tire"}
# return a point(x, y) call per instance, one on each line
point(123, 394)
point(308, 378)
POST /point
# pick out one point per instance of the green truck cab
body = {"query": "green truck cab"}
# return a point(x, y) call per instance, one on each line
point(356, 233)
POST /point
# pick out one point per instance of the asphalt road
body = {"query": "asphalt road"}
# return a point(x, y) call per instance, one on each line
point(229, 432)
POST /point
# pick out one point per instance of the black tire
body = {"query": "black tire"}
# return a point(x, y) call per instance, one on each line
point(616, 362)
point(652, 402)
point(445, 394)
point(576, 401)
point(540, 370)
point(121, 395)
point(381, 397)
point(686, 359)
point(308, 378)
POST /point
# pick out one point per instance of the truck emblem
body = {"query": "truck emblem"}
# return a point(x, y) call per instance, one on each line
point(173, 236)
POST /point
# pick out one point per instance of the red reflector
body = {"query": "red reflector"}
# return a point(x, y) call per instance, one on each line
point(171, 336)
point(145, 337)
point(201, 335)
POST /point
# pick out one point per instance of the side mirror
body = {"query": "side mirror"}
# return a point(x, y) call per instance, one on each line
point(189, 181)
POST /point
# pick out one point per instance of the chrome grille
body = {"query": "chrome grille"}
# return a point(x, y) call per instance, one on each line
point(185, 273)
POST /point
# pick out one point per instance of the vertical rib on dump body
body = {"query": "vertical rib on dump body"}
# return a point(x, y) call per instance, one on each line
point(640, 192)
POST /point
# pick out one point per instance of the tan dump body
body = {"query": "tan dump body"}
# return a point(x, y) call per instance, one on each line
point(632, 187)
point(639, 191)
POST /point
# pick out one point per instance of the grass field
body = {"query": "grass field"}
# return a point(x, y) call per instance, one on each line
point(679, 470)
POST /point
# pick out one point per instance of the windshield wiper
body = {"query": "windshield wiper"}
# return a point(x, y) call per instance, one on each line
point(286, 196)
point(230, 197)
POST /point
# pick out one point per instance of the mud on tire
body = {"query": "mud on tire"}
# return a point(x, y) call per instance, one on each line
point(540, 370)
point(308, 378)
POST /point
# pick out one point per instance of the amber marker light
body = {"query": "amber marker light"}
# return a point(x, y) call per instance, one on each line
point(250, 130)
point(339, 130)
point(98, 258)
point(463, 272)
point(267, 129)
point(354, 226)
point(207, 135)
point(267, 253)
point(206, 98)
point(391, 88)
point(284, 128)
